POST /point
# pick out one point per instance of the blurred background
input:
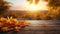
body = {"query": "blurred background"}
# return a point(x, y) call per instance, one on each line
point(30, 9)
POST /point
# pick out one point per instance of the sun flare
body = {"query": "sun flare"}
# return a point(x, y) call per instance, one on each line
point(32, 7)
point(40, 6)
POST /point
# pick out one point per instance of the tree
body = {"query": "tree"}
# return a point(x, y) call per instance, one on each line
point(54, 3)
point(53, 6)
point(4, 7)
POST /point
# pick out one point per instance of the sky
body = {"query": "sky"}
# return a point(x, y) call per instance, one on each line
point(21, 5)
point(17, 4)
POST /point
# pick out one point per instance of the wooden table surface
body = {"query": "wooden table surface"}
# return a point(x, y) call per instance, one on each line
point(40, 27)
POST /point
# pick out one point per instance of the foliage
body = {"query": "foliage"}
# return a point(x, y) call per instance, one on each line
point(53, 6)
point(54, 3)
point(4, 6)
point(12, 24)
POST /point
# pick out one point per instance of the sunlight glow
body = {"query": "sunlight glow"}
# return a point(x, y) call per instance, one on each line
point(40, 6)
point(25, 5)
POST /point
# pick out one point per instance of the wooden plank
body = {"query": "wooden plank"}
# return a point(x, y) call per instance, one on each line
point(41, 27)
